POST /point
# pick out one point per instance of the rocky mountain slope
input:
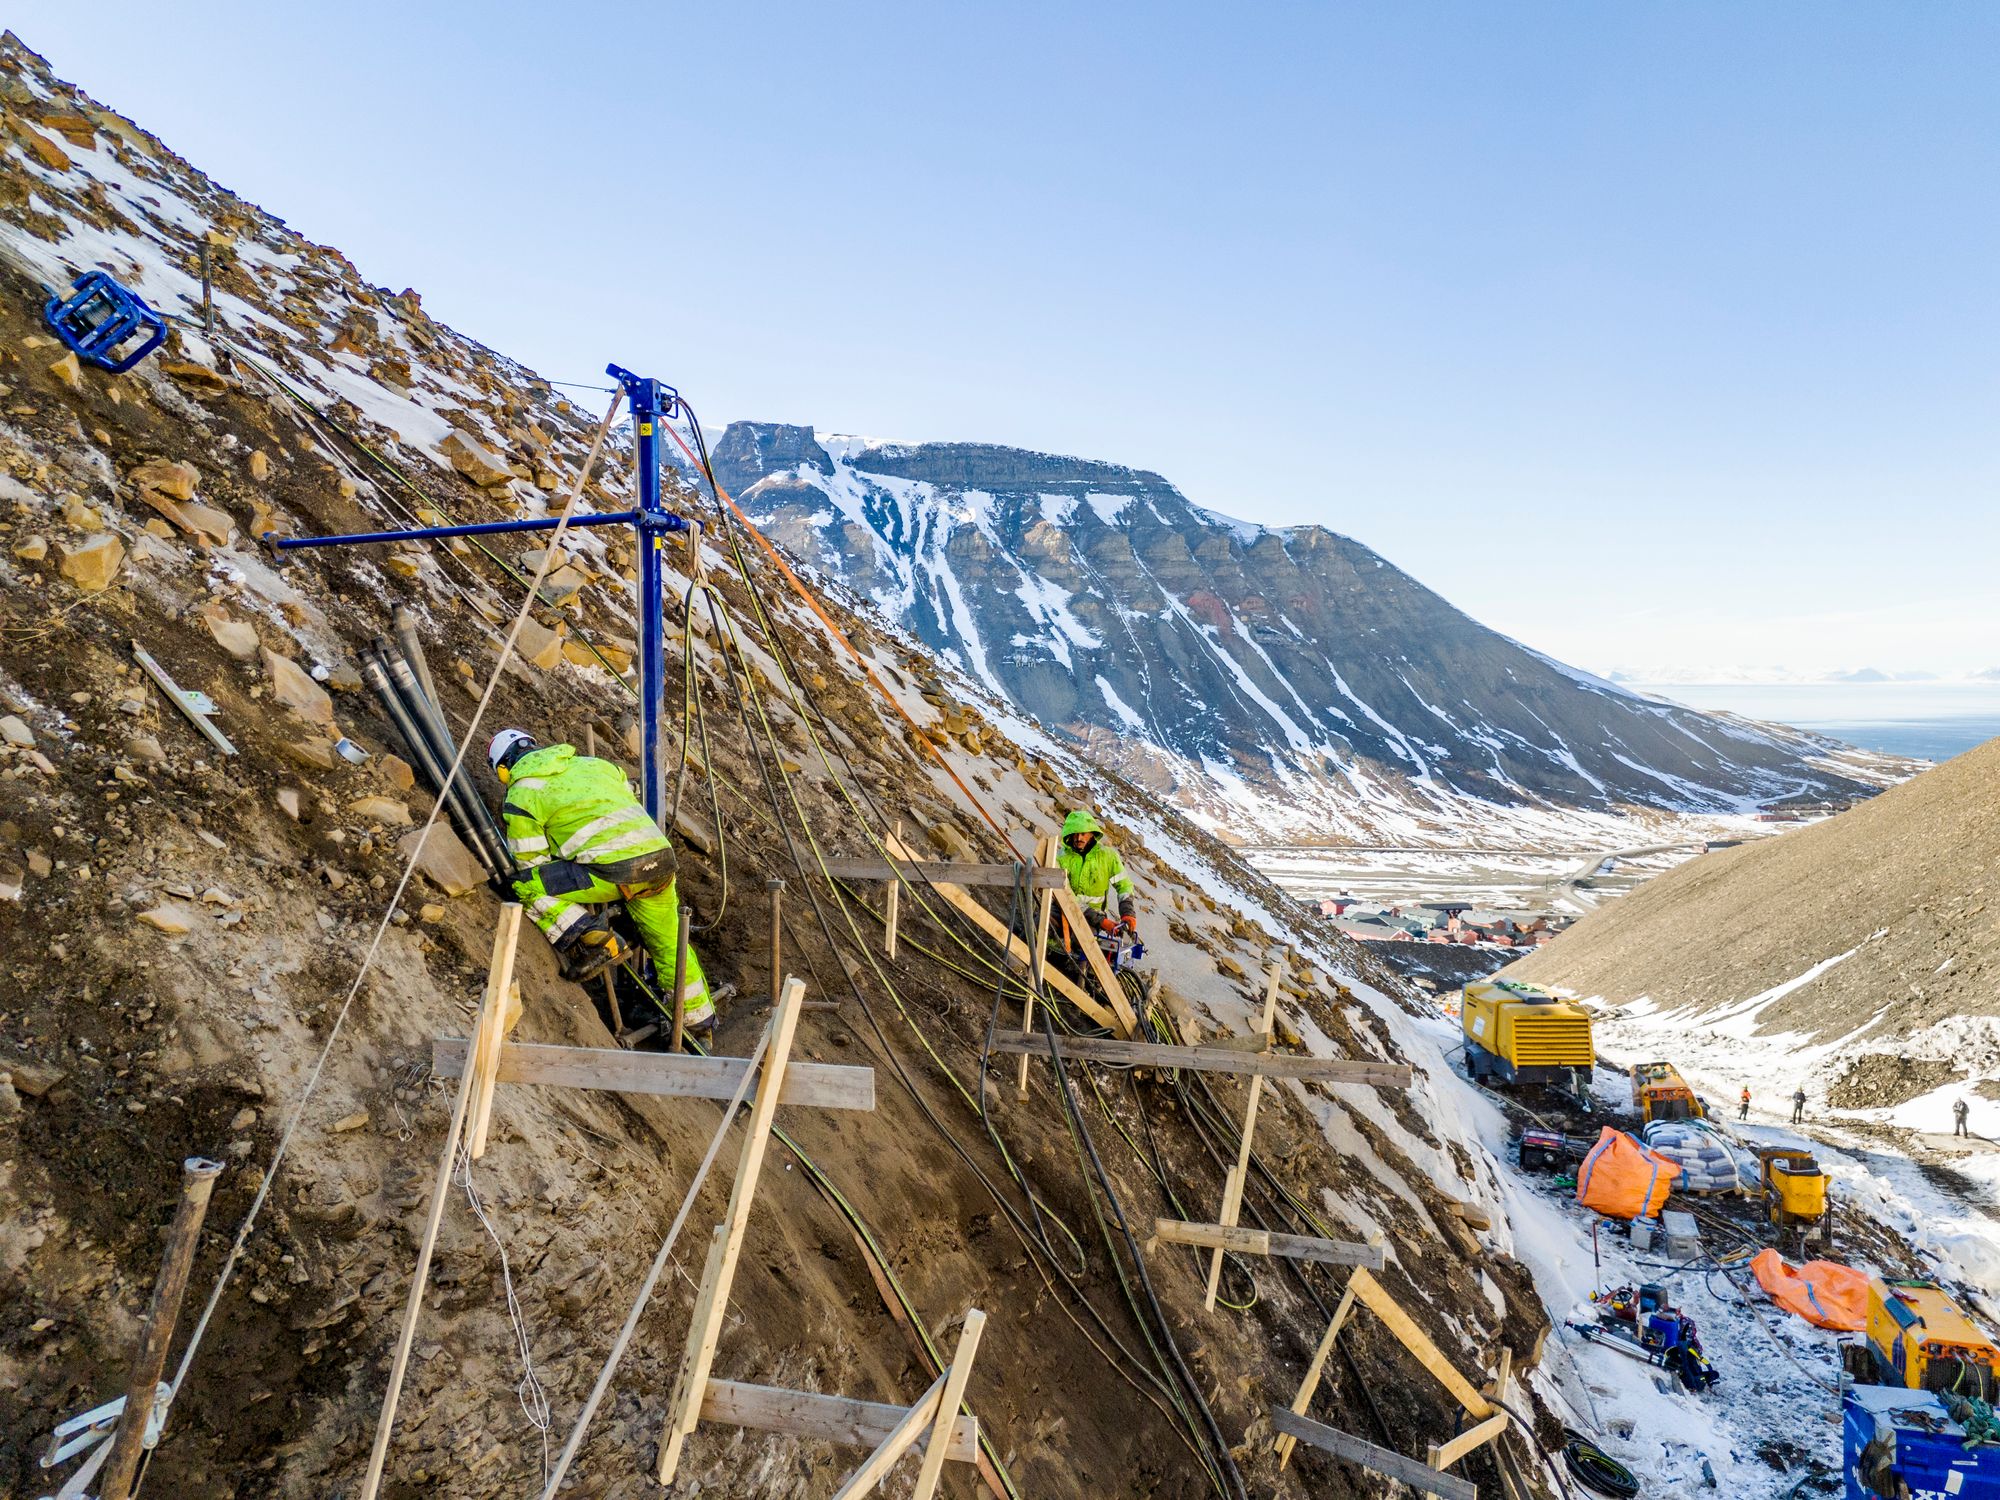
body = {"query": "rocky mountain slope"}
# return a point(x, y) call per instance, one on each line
point(1271, 682)
point(178, 930)
point(1867, 944)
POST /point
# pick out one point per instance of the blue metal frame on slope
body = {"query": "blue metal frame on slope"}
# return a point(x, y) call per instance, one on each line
point(98, 316)
point(652, 402)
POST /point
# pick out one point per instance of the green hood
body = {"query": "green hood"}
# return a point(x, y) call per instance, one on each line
point(546, 761)
point(1080, 821)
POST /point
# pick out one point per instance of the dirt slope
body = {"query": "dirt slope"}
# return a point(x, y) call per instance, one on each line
point(133, 1040)
point(1907, 882)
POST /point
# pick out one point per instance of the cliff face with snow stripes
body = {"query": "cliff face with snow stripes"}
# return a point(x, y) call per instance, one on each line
point(1269, 680)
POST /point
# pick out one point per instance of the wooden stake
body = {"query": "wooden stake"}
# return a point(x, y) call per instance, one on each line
point(142, 1385)
point(727, 1244)
point(1419, 1477)
point(504, 939)
point(893, 904)
point(1232, 1187)
point(776, 890)
point(954, 1392)
point(1039, 960)
point(490, 1035)
point(1247, 1241)
point(680, 979)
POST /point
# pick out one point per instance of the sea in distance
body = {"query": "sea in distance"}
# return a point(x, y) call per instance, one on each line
point(1929, 720)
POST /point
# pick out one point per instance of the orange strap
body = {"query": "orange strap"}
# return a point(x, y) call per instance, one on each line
point(838, 634)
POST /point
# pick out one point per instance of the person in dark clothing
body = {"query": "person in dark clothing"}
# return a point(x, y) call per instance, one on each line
point(1959, 1111)
point(1743, 1104)
point(1798, 1106)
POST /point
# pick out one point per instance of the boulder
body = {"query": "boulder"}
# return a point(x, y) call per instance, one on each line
point(237, 637)
point(200, 380)
point(170, 919)
point(398, 773)
point(445, 861)
point(14, 730)
point(384, 810)
point(93, 565)
point(475, 460)
point(32, 548)
point(176, 481)
point(293, 686)
point(538, 645)
point(208, 522)
point(68, 371)
point(314, 754)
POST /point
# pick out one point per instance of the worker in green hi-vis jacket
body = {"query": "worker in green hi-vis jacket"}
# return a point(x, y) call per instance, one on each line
point(1097, 875)
point(584, 840)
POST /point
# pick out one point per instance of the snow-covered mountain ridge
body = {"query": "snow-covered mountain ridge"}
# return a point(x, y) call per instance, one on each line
point(1276, 682)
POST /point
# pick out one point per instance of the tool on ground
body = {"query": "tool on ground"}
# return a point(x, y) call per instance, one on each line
point(198, 707)
point(98, 320)
point(1638, 1322)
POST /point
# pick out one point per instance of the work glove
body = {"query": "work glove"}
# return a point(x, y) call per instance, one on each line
point(1130, 923)
point(1107, 927)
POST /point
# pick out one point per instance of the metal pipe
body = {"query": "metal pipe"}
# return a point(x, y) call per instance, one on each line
point(680, 978)
point(777, 892)
point(431, 533)
point(142, 1385)
point(399, 715)
point(430, 722)
point(404, 622)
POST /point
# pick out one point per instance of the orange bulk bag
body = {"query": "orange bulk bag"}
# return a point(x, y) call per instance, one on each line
point(1823, 1292)
point(1621, 1179)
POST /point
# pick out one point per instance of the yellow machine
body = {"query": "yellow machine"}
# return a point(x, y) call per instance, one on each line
point(1794, 1188)
point(1660, 1093)
point(1516, 1033)
point(1920, 1339)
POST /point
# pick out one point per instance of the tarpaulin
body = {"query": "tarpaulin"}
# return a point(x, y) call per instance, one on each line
point(1825, 1294)
point(1622, 1179)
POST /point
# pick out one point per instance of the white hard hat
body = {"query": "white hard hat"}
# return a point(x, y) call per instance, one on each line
point(505, 743)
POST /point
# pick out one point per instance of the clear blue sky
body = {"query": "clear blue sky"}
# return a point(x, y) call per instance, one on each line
point(1654, 333)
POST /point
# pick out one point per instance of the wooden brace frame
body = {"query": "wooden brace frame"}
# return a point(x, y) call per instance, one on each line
point(1362, 1287)
point(835, 1418)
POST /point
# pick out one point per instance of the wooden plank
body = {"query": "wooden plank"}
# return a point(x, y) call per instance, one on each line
point(1038, 967)
point(996, 929)
point(719, 1274)
point(1094, 957)
point(490, 1035)
point(818, 1085)
point(1248, 1241)
point(830, 1419)
point(1302, 1402)
point(958, 872)
point(1444, 1455)
point(893, 907)
point(1232, 1187)
point(1418, 1476)
point(1214, 1059)
point(900, 1440)
point(1390, 1311)
point(956, 1376)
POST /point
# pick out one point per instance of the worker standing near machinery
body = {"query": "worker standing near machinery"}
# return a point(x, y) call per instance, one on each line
point(1097, 875)
point(584, 841)
point(1799, 1105)
point(1743, 1104)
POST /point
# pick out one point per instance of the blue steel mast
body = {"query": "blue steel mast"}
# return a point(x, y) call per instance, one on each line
point(652, 403)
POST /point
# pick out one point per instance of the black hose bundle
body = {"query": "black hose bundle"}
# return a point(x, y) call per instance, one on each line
point(1596, 1470)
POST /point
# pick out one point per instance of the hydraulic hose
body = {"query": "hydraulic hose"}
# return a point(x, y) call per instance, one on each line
point(420, 747)
point(1596, 1470)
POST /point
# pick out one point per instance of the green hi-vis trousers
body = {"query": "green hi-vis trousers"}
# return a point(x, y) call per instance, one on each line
point(653, 907)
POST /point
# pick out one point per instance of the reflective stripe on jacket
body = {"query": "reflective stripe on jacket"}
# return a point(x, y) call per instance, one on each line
point(561, 805)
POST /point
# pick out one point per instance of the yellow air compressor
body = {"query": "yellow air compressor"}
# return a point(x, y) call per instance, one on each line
point(1921, 1340)
point(1518, 1034)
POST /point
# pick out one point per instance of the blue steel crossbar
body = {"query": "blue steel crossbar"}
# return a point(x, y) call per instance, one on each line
point(430, 533)
point(652, 402)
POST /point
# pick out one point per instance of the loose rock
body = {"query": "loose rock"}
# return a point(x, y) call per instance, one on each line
point(292, 685)
point(93, 565)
